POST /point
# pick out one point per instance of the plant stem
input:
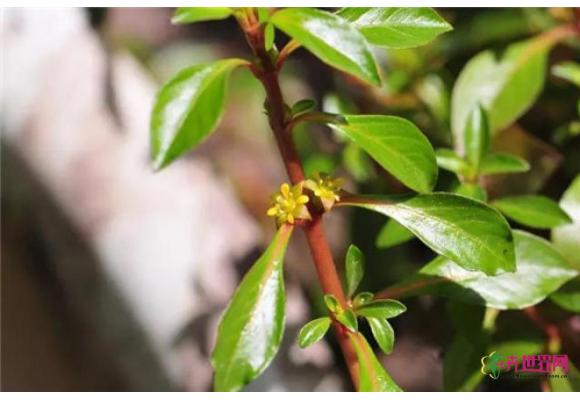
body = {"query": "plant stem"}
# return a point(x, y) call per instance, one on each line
point(266, 71)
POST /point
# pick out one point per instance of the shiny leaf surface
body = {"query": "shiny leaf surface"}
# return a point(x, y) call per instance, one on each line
point(348, 319)
point(499, 163)
point(252, 326)
point(466, 231)
point(331, 39)
point(396, 27)
point(540, 271)
point(372, 375)
point(393, 234)
point(354, 269)
point(472, 190)
point(382, 309)
point(567, 238)
point(188, 108)
point(313, 331)
point(383, 333)
point(568, 70)
point(535, 211)
point(448, 160)
point(186, 15)
point(397, 145)
point(477, 137)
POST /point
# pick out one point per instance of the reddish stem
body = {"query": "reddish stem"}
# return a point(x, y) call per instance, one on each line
point(266, 70)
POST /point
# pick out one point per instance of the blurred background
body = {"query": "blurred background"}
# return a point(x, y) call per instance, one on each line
point(114, 277)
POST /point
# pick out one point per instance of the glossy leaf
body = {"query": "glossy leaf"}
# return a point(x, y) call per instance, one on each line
point(382, 309)
point(332, 303)
point(567, 238)
point(393, 234)
point(186, 15)
point(188, 108)
point(331, 39)
point(313, 331)
point(476, 137)
point(540, 271)
point(383, 333)
point(472, 190)
point(448, 160)
point(499, 163)
point(355, 260)
point(396, 27)
point(348, 319)
point(506, 88)
point(372, 375)
point(568, 296)
point(303, 106)
point(568, 70)
point(535, 211)
point(362, 298)
point(252, 326)
point(467, 231)
point(397, 145)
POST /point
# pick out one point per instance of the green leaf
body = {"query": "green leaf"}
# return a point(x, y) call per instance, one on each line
point(467, 231)
point(381, 309)
point(569, 384)
point(448, 160)
point(188, 108)
point(472, 190)
point(303, 106)
point(568, 70)
point(383, 334)
point(568, 296)
point(372, 375)
point(362, 298)
point(355, 261)
point(186, 15)
point(393, 234)
point(535, 211)
point(397, 145)
point(331, 39)
point(313, 331)
point(500, 163)
point(540, 271)
point(252, 326)
point(348, 319)
point(396, 27)
point(269, 36)
point(567, 238)
point(332, 303)
point(506, 88)
point(476, 137)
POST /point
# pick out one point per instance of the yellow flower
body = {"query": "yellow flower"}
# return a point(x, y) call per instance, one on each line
point(289, 204)
point(325, 188)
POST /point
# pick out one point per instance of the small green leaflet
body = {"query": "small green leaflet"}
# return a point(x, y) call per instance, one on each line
point(393, 234)
point(332, 303)
point(477, 137)
point(362, 298)
point(188, 108)
point(540, 271)
point(354, 267)
point(568, 70)
point(396, 27)
point(535, 211)
point(383, 333)
point(372, 375)
point(568, 296)
point(382, 309)
point(186, 15)
point(499, 163)
point(313, 331)
point(472, 190)
point(448, 160)
point(251, 328)
point(467, 231)
point(397, 145)
point(348, 319)
point(331, 39)
point(567, 238)
point(506, 88)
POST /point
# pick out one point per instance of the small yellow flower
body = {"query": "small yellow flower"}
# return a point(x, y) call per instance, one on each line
point(325, 188)
point(289, 204)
